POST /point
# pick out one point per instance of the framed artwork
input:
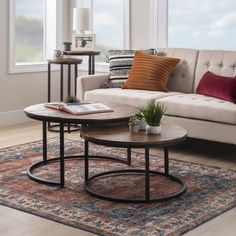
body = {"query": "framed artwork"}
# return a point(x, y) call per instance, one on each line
point(84, 41)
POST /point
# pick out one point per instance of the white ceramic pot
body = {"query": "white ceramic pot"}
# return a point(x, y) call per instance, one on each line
point(134, 128)
point(142, 124)
point(153, 129)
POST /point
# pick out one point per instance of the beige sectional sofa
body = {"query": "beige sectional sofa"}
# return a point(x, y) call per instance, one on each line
point(202, 116)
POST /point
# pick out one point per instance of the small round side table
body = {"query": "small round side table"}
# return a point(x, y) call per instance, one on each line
point(62, 62)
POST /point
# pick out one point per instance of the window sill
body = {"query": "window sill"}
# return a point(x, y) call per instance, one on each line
point(31, 68)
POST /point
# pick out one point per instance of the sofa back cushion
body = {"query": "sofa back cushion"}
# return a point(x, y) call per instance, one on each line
point(182, 78)
point(216, 61)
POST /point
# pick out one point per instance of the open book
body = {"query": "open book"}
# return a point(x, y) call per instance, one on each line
point(79, 109)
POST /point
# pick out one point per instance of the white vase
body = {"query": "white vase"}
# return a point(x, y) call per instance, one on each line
point(153, 129)
point(142, 124)
point(134, 128)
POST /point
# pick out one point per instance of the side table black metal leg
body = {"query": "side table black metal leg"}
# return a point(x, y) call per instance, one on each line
point(129, 156)
point(44, 141)
point(62, 157)
point(147, 179)
point(166, 157)
point(49, 85)
point(86, 160)
point(62, 87)
point(49, 82)
point(93, 65)
point(69, 80)
point(90, 68)
point(76, 75)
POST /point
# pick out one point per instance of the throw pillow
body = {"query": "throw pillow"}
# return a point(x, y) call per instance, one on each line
point(120, 63)
point(218, 86)
point(150, 72)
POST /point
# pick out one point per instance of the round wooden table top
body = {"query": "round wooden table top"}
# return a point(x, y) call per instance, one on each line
point(121, 137)
point(120, 113)
point(63, 60)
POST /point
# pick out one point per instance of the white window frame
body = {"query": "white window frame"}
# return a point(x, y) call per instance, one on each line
point(158, 23)
point(32, 67)
point(103, 66)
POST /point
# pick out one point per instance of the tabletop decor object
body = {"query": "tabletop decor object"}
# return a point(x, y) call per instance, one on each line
point(67, 45)
point(133, 124)
point(152, 114)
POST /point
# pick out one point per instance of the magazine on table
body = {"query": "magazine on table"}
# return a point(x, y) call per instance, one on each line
point(82, 108)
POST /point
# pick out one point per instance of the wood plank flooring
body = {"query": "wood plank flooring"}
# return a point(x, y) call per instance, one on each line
point(17, 223)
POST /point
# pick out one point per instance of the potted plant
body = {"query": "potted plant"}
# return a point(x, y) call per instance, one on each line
point(142, 122)
point(152, 113)
point(67, 45)
point(133, 124)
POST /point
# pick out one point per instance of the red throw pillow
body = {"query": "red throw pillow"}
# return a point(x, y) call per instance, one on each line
point(218, 86)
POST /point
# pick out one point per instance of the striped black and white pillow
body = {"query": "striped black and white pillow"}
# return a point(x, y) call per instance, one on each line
point(120, 63)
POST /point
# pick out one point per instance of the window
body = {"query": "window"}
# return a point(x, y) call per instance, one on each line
point(191, 24)
point(29, 31)
point(33, 33)
point(211, 25)
point(110, 23)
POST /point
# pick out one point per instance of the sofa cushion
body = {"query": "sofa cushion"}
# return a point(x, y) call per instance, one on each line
point(125, 96)
point(216, 61)
point(218, 86)
point(150, 72)
point(120, 63)
point(197, 106)
point(182, 78)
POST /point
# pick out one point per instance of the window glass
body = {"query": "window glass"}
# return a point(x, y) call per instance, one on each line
point(108, 24)
point(29, 31)
point(195, 24)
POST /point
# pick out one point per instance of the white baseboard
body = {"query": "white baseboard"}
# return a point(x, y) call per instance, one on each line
point(13, 117)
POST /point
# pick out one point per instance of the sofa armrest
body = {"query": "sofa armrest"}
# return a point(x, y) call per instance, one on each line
point(89, 82)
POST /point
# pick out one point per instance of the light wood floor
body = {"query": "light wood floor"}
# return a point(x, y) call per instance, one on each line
point(17, 223)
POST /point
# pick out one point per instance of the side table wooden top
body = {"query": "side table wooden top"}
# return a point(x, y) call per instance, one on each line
point(65, 60)
point(82, 52)
point(121, 137)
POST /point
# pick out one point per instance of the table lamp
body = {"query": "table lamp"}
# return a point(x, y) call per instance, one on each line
point(82, 37)
point(81, 20)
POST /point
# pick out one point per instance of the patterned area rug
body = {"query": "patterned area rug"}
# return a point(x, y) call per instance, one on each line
point(211, 191)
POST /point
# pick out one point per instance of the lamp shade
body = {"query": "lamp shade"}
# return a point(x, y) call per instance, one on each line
point(81, 19)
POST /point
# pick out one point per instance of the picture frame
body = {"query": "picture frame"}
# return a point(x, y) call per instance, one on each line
point(83, 41)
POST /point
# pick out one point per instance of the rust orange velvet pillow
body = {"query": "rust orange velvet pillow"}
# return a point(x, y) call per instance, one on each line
point(150, 72)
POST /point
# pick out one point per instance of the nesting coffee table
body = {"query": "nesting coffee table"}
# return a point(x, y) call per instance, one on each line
point(110, 129)
point(121, 137)
point(120, 115)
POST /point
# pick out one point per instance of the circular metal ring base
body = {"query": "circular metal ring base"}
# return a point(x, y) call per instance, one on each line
point(137, 172)
point(68, 128)
point(38, 164)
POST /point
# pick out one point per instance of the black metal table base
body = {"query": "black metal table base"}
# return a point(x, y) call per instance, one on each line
point(68, 128)
point(39, 164)
point(146, 198)
point(61, 159)
point(146, 172)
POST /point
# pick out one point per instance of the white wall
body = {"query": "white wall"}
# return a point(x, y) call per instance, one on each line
point(20, 90)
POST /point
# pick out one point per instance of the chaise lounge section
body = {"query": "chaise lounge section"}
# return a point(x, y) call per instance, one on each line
point(204, 117)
